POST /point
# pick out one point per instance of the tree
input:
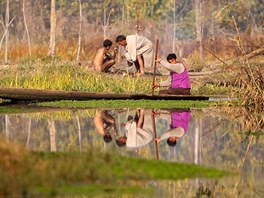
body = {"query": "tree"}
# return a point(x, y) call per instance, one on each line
point(26, 27)
point(52, 131)
point(198, 24)
point(80, 33)
point(7, 31)
point(52, 29)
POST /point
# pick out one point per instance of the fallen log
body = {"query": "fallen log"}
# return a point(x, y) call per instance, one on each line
point(36, 95)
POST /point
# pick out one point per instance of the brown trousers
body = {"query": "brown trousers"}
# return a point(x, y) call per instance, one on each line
point(176, 91)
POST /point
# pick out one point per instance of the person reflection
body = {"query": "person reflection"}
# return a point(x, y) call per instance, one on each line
point(179, 120)
point(138, 131)
point(104, 122)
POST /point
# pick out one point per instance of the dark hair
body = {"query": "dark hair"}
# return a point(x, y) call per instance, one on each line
point(107, 43)
point(171, 56)
point(120, 143)
point(171, 143)
point(129, 118)
point(107, 138)
point(120, 38)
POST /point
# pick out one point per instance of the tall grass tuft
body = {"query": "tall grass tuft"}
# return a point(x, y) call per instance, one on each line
point(250, 87)
point(56, 75)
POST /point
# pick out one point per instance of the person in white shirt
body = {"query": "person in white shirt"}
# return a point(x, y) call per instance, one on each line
point(139, 51)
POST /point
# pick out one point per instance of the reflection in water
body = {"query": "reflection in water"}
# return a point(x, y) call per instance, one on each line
point(138, 130)
point(104, 122)
point(207, 137)
point(179, 121)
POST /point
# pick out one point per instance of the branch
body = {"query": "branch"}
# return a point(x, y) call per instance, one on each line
point(6, 29)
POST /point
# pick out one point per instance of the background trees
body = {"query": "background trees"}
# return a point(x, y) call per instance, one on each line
point(169, 20)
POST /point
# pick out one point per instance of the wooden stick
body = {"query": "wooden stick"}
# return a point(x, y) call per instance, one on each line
point(155, 68)
point(155, 134)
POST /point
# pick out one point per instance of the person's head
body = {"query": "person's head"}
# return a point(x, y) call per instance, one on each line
point(121, 141)
point(171, 58)
point(121, 40)
point(130, 118)
point(107, 137)
point(172, 141)
point(107, 44)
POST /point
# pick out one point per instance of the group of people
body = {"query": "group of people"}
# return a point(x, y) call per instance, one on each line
point(139, 52)
point(139, 129)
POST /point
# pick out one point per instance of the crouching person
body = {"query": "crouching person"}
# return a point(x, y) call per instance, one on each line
point(178, 81)
point(104, 60)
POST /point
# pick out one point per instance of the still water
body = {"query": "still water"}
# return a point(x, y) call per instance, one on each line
point(208, 137)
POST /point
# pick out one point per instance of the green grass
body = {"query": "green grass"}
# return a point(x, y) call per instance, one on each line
point(129, 104)
point(20, 109)
point(58, 75)
point(93, 190)
point(67, 173)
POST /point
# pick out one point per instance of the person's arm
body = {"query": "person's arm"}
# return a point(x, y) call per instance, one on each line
point(166, 82)
point(115, 52)
point(108, 55)
point(178, 67)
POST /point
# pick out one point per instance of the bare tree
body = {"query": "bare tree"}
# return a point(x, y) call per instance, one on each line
point(26, 27)
point(79, 133)
point(7, 31)
point(106, 21)
point(52, 29)
point(174, 26)
point(52, 135)
point(198, 24)
point(7, 124)
point(29, 132)
point(80, 33)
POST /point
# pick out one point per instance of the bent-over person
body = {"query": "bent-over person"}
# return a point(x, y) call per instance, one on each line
point(178, 81)
point(104, 60)
point(139, 51)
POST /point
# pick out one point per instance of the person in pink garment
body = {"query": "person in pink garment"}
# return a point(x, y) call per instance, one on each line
point(178, 81)
point(179, 121)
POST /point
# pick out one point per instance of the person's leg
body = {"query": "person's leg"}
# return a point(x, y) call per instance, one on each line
point(141, 64)
point(136, 65)
point(107, 65)
point(141, 118)
point(179, 91)
point(163, 91)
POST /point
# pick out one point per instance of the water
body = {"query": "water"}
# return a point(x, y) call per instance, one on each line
point(209, 137)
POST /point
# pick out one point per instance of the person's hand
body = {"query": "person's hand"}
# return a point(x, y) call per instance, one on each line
point(155, 86)
point(115, 50)
point(157, 60)
point(154, 113)
point(157, 140)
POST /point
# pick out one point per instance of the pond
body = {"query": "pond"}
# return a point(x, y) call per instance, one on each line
point(207, 137)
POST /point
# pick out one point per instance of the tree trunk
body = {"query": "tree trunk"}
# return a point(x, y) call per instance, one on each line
point(26, 27)
point(7, 123)
point(29, 132)
point(104, 23)
point(52, 29)
point(174, 26)
point(52, 135)
point(80, 34)
point(7, 31)
point(79, 133)
point(198, 23)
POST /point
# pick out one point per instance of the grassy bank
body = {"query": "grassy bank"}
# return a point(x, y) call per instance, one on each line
point(84, 173)
point(129, 104)
point(58, 75)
